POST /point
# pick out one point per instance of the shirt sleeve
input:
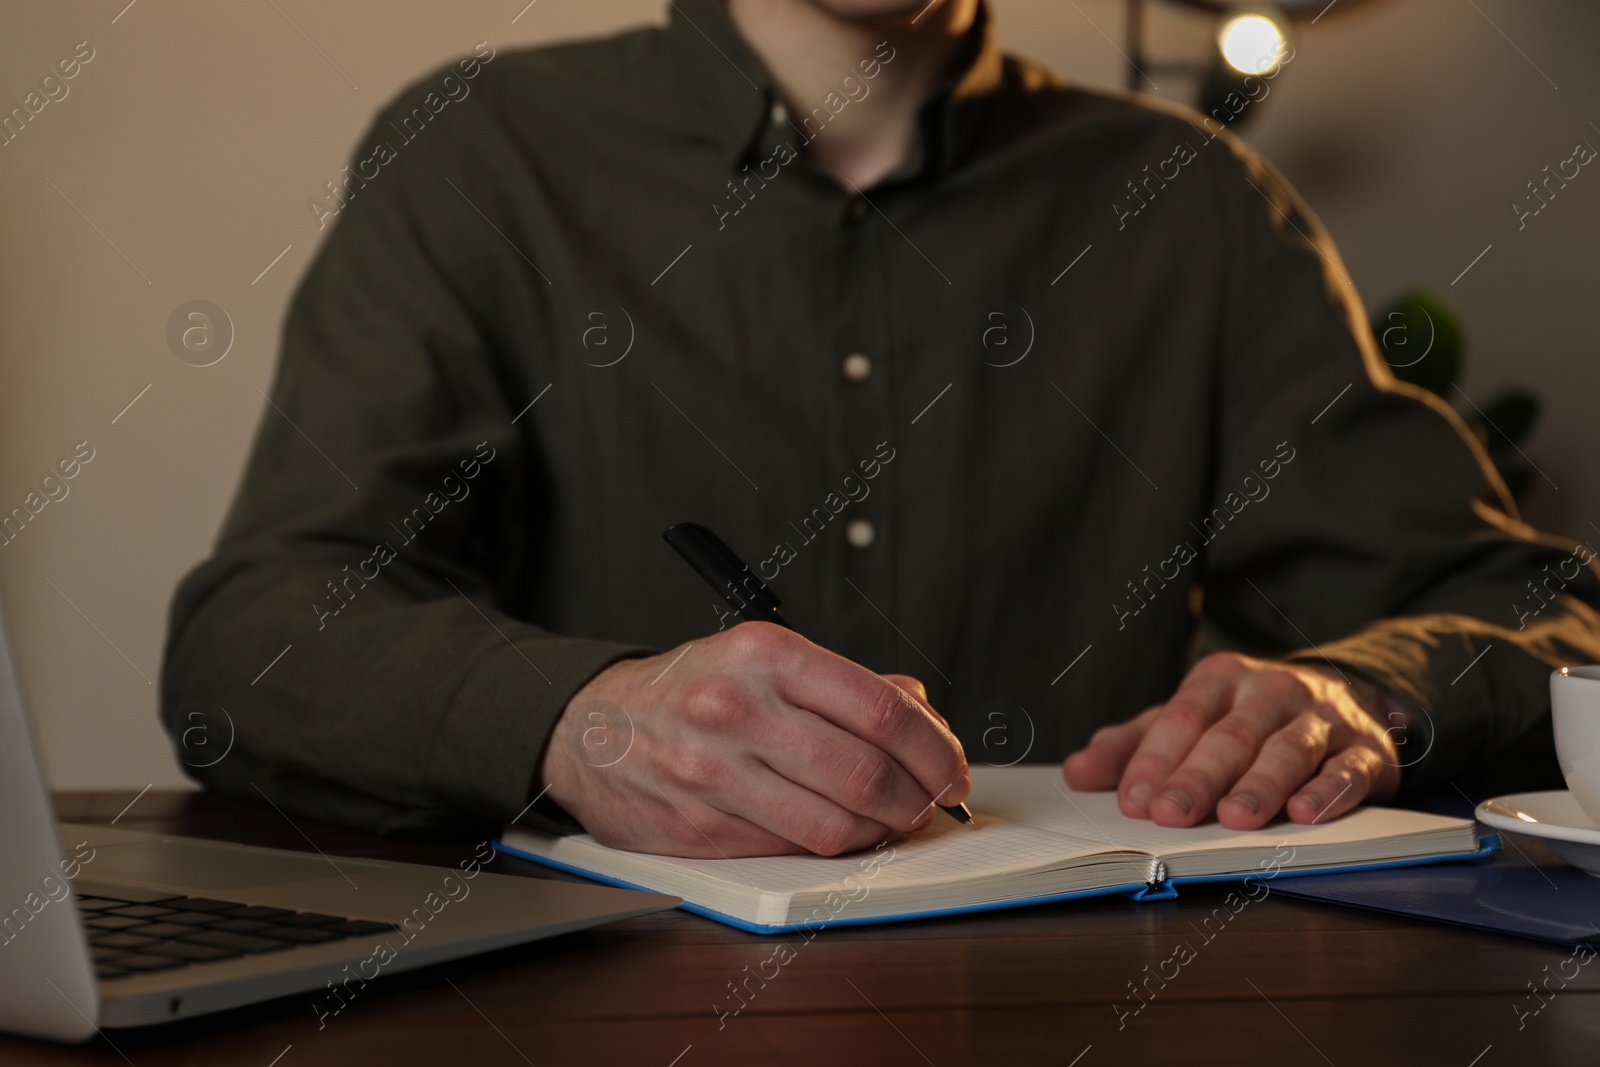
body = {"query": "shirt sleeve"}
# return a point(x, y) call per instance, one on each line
point(1356, 523)
point(349, 638)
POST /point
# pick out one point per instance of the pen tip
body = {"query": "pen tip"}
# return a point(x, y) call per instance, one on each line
point(959, 812)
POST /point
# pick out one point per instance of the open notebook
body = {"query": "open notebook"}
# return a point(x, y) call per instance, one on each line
point(1032, 840)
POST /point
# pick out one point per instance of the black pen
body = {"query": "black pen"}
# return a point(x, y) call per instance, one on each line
point(747, 594)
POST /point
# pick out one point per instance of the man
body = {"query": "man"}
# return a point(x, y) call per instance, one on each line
point(1022, 396)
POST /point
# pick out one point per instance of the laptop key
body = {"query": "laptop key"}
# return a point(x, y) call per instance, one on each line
point(165, 930)
point(193, 918)
point(236, 942)
point(301, 935)
point(183, 950)
point(308, 918)
point(359, 928)
point(112, 922)
point(140, 911)
point(122, 894)
point(122, 940)
point(257, 912)
point(98, 903)
point(149, 963)
point(106, 955)
point(240, 926)
point(202, 904)
point(106, 970)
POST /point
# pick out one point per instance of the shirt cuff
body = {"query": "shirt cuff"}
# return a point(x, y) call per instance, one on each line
point(497, 727)
point(1416, 674)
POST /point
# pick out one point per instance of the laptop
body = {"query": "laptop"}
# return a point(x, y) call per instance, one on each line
point(102, 927)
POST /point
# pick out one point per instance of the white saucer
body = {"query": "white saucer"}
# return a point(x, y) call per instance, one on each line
point(1554, 818)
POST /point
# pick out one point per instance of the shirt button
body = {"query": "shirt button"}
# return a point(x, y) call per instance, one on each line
point(857, 368)
point(860, 533)
point(858, 209)
point(780, 114)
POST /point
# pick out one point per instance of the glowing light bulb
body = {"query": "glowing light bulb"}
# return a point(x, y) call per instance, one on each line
point(1251, 43)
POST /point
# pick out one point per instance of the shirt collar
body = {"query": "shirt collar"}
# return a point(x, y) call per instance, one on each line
point(733, 93)
point(956, 112)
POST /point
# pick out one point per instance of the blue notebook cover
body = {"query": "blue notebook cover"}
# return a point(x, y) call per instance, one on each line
point(1525, 892)
point(1162, 890)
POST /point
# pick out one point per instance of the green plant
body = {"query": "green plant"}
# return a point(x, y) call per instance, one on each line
point(1421, 338)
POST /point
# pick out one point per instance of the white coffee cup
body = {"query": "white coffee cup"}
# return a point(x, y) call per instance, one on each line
point(1575, 713)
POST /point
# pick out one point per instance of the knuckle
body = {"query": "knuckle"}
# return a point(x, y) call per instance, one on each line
point(1364, 766)
point(1183, 714)
point(755, 640)
point(1339, 788)
point(1306, 747)
point(1307, 729)
point(1286, 763)
point(1269, 785)
point(831, 836)
point(1236, 733)
point(867, 784)
point(1378, 754)
point(1297, 747)
point(713, 700)
point(1283, 767)
point(889, 712)
point(1343, 781)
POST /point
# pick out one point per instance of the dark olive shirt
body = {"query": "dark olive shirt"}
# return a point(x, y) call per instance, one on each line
point(1080, 391)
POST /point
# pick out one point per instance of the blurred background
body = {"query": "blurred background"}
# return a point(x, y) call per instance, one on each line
point(178, 165)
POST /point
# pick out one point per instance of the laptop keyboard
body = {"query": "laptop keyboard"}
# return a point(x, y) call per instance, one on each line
point(136, 931)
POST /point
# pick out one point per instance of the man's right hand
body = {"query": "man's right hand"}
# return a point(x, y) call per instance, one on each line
point(751, 742)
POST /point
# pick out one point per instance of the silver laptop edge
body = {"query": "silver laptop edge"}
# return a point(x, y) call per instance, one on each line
point(48, 986)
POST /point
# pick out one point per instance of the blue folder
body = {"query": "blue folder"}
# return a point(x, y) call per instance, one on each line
point(1524, 891)
point(1165, 889)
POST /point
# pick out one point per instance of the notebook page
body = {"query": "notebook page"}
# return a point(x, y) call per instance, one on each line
point(1031, 836)
point(1038, 797)
point(946, 851)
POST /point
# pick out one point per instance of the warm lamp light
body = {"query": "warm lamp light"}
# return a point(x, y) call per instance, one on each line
point(1252, 43)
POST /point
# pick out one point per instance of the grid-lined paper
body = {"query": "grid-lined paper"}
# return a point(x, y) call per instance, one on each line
point(1026, 821)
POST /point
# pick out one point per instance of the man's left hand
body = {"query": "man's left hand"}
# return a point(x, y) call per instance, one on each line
point(1247, 738)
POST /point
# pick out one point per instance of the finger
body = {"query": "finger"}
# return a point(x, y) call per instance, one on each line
point(1288, 760)
point(1218, 760)
point(686, 826)
point(910, 684)
point(1100, 763)
point(857, 776)
point(814, 822)
point(1178, 725)
point(919, 691)
point(1345, 782)
point(862, 703)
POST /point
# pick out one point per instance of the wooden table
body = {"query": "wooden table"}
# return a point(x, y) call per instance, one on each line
point(1285, 982)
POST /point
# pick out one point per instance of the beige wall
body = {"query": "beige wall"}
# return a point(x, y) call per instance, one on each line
point(179, 164)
